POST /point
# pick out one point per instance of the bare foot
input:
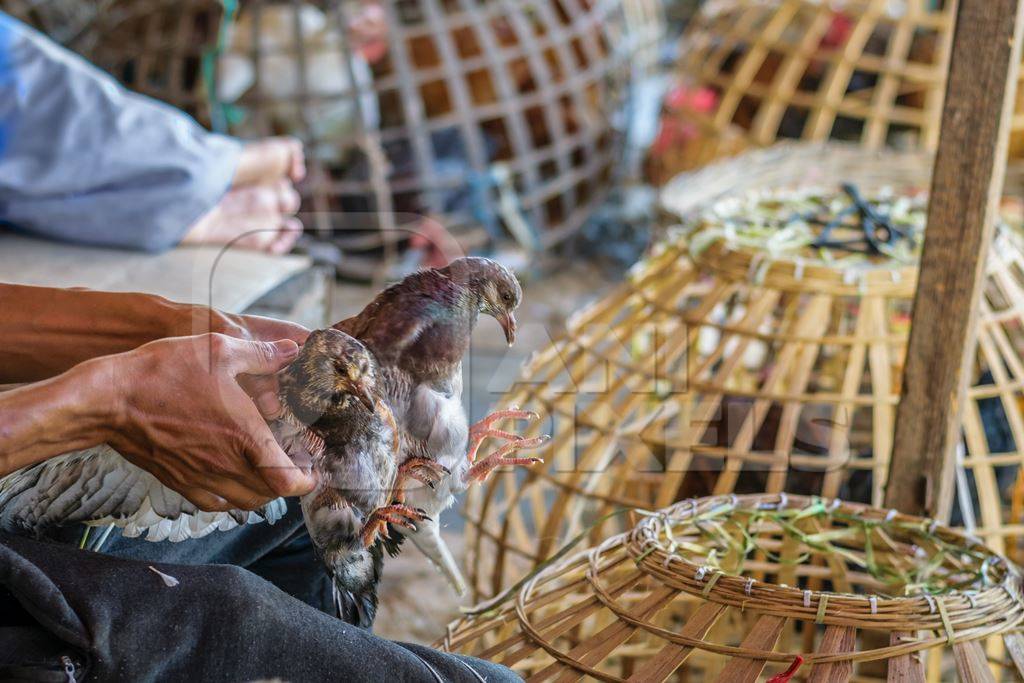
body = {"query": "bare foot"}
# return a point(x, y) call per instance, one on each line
point(258, 212)
point(259, 217)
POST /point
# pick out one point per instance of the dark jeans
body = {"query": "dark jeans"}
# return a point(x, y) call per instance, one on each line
point(282, 553)
point(114, 619)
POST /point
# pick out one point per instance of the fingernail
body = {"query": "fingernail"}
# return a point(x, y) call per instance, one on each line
point(287, 348)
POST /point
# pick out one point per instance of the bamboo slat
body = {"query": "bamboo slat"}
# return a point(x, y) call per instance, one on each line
point(728, 371)
point(735, 588)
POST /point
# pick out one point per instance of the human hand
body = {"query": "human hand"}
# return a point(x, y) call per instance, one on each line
point(263, 389)
point(179, 412)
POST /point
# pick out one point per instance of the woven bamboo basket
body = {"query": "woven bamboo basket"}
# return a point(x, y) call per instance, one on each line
point(750, 73)
point(730, 588)
point(735, 370)
point(495, 116)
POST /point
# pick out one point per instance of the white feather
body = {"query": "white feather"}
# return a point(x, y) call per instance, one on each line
point(98, 487)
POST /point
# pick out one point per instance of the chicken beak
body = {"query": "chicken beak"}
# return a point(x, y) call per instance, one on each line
point(508, 324)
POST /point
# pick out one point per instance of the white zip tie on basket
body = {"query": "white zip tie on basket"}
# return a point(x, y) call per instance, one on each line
point(807, 598)
point(873, 601)
point(748, 586)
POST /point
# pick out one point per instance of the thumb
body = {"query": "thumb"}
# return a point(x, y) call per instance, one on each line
point(260, 357)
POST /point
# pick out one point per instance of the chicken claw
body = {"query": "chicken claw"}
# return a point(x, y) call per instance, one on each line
point(482, 469)
point(423, 470)
point(482, 429)
point(397, 514)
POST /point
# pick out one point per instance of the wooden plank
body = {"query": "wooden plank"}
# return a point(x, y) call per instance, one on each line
point(837, 639)
point(225, 278)
point(660, 666)
point(1015, 646)
point(966, 187)
point(971, 663)
point(762, 637)
point(601, 644)
point(905, 668)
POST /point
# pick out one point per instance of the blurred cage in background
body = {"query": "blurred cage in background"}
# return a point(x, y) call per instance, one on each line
point(751, 73)
point(500, 119)
point(729, 362)
point(68, 22)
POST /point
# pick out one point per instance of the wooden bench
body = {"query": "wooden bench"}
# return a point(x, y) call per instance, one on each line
point(233, 280)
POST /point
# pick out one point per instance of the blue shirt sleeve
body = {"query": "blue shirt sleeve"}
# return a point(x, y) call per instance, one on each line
point(84, 160)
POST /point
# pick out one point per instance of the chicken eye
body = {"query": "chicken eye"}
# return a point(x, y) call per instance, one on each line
point(507, 297)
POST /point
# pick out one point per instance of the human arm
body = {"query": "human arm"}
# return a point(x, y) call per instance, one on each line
point(45, 331)
point(173, 407)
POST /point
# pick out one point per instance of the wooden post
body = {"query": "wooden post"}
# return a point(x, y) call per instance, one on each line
point(966, 187)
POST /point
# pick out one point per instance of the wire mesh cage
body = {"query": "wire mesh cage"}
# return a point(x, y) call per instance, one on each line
point(870, 71)
point(759, 348)
point(733, 588)
point(68, 22)
point(499, 118)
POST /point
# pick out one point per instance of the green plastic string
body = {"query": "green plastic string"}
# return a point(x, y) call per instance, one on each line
point(220, 113)
point(946, 623)
point(711, 583)
point(726, 533)
point(822, 603)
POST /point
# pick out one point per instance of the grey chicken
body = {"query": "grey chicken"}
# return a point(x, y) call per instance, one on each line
point(336, 414)
point(419, 330)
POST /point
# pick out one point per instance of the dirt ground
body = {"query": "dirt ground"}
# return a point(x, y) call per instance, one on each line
point(416, 602)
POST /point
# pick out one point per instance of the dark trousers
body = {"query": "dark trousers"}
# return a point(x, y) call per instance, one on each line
point(109, 618)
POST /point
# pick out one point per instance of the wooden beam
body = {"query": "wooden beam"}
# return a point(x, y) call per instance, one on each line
point(966, 187)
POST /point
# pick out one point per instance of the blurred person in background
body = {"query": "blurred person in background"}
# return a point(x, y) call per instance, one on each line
point(84, 160)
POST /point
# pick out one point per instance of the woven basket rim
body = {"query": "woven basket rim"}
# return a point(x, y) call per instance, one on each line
point(855, 606)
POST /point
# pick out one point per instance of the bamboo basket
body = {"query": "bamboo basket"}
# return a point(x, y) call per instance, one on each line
point(750, 73)
point(730, 588)
point(495, 117)
point(733, 371)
